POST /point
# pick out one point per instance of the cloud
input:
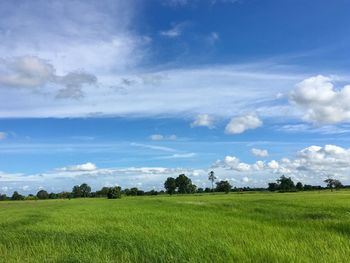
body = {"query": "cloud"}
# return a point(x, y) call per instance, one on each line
point(213, 38)
point(160, 137)
point(260, 152)
point(175, 31)
point(321, 101)
point(153, 147)
point(179, 156)
point(85, 167)
point(3, 136)
point(307, 128)
point(242, 123)
point(203, 120)
point(73, 83)
point(215, 91)
point(34, 72)
point(26, 71)
point(310, 165)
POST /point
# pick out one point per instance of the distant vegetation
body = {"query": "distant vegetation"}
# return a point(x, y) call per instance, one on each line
point(179, 185)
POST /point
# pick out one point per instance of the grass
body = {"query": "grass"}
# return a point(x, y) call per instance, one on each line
point(250, 227)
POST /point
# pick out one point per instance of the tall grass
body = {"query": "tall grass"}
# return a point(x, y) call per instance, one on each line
point(255, 227)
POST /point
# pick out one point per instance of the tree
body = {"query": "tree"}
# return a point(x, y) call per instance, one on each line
point(170, 185)
point(85, 190)
point(53, 196)
point(17, 196)
point(333, 183)
point(212, 178)
point(114, 192)
point(183, 184)
point(273, 187)
point(200, 190)
point(207, 190)
point(299, 186)
point(76, 191)
point(192, 188)
point(42, 194)
point(103, 192)
point(223, 186)
point(3, 197)
point(285, 184)
point(133, 191)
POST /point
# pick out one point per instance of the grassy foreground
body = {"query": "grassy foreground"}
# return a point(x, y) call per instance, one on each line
point(251, 227)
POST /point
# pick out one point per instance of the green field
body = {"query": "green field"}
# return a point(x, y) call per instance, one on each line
point(249, 227)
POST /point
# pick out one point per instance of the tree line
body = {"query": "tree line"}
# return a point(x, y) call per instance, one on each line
point(179, 185)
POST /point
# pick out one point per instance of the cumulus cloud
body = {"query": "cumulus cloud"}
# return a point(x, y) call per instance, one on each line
point(321, 101)
point(160, 137)
point(85, 167)
point(260, 152)
point(312, 164)
point(203, 120)
point(242, 123)
point(34, 72)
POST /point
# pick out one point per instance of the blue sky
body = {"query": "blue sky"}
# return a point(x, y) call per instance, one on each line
point(131, 92)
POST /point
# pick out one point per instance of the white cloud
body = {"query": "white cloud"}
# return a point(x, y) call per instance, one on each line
point(260, 152)
point(242, 123)
point(154, 147)
point(179, 156)
point(273, 165)
point(307, 128)
point(34, 72)
point(3, 135)
point(175, 31)
point(160, 137)
point(85, 167)
point(203, 120)
point(321, 101)
point(26, 71)
point(311, 165)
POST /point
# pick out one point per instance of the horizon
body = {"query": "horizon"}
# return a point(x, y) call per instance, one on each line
point(129, 93)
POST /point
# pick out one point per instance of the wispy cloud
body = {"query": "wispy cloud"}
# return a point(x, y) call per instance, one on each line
point(153, 147)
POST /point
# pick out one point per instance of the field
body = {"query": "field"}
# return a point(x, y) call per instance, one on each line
point(249, 227)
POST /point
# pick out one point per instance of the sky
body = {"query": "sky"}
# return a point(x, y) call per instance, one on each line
point(131, 92)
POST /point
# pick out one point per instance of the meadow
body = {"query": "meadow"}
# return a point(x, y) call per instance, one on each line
point(248, 227)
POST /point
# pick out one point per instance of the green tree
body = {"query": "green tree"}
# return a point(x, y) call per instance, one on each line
point(333, 183)
point(42, 194)
point(183, 184)
point(114, 192)
point(273, 187)
point(200, 190)
point(133, 191)
point(53, 196)
point(170, 185)
point(212, 178)
point(103, 192)
point(17, 196)
point(285, 184)
point(299, 186)
point(3, 197)
point(223, 186)
point(76, 191)
point(85, 190)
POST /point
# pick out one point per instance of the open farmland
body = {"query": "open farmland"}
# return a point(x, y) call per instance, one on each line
point(249, 227)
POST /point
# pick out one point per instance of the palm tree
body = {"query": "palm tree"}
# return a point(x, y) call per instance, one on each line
point(212, 178)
